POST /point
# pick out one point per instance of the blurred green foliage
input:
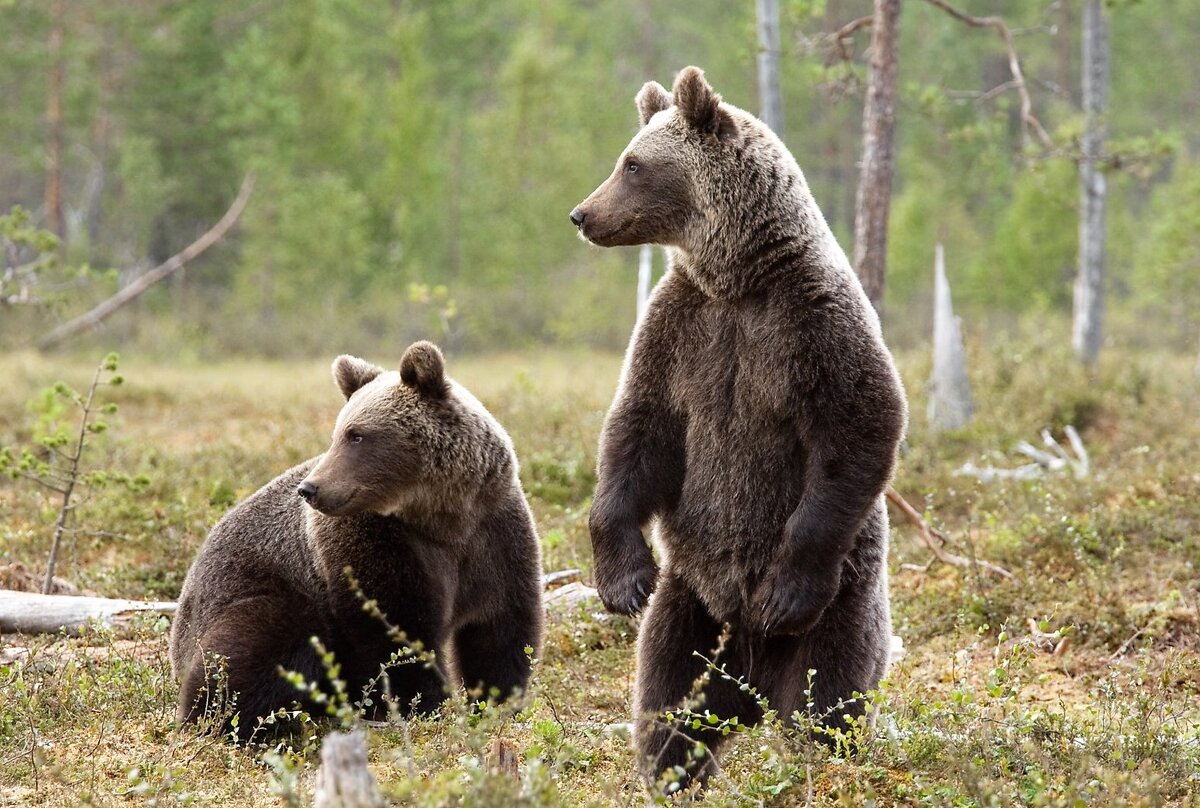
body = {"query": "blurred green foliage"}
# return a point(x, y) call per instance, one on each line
point(442, 144)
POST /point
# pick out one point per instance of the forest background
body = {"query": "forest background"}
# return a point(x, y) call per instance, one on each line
point(415, 163)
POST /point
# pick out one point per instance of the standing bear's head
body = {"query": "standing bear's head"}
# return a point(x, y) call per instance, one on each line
point(405, 439)
point(700, 174)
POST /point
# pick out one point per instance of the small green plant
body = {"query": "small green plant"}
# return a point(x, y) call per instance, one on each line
point(55, 461)
point(29, 254)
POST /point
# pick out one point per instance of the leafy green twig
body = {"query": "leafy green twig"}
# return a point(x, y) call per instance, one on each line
point(60, 468)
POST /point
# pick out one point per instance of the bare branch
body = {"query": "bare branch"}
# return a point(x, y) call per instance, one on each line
point(94, 317)
point(846, 32)
point(934, 538)
point(1029, 122)
point(42, 481)
point(999, 89)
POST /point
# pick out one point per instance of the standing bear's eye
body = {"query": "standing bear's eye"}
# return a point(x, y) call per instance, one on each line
point(353, 436)
point(631, 167)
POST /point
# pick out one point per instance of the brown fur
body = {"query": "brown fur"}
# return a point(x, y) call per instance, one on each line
point(418, 495)
point(755, 425)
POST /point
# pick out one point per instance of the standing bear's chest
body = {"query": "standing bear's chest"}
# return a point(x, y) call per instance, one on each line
point(735, 371)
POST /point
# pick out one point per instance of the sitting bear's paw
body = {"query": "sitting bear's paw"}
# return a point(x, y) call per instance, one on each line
point(791, 601)
point(625, 583)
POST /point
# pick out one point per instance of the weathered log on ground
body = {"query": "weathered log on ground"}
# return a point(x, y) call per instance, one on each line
point(571, 594)
point(34, 613)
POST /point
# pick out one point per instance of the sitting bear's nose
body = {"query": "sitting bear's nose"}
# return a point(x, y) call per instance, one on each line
point(307, 491)
point(577, 217)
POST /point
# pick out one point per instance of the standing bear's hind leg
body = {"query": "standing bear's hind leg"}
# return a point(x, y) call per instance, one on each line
point(850, 646)
point(676, 638)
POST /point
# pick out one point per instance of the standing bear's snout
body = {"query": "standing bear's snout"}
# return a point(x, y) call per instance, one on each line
point(307, 491)
point(578, 217)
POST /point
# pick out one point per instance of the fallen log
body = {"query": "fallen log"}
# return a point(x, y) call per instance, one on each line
point(571, 595)
point(34, 613)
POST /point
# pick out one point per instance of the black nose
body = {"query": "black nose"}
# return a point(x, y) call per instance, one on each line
point(307, 491)
point(577, 217)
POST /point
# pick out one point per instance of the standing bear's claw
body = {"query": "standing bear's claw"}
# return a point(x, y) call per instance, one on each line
point(625, 572)
point(627, 592)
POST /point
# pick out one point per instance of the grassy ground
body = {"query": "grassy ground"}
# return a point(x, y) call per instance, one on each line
point(988, 707)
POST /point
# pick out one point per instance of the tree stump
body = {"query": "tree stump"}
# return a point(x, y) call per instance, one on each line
point(950, 404)
point(344, 781)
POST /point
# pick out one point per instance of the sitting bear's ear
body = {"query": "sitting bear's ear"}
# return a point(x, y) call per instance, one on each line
point(652, 98)
point(351, 373)
point(700, 106)
point(424, 370)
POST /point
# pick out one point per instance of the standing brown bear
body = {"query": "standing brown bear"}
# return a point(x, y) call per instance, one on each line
point(756, 425)
point(418, 497)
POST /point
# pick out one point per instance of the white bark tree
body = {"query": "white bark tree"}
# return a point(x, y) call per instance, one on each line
point(770, 99)
point(1087, 330)
point(645, 264)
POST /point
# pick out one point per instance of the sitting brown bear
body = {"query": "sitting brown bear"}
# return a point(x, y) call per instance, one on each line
point(418, 499)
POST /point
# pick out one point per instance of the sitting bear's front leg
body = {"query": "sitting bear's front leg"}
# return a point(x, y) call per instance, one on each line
point(390, 629)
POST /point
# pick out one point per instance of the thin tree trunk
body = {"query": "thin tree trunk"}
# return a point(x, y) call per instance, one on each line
point(770, 99)
point(879, 130)
point(1064, 49)
point(54, 122)
point(645, 266)
point(1087, 332)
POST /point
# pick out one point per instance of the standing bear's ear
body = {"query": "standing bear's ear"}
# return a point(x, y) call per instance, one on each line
point(652, 98)
point(424, 370)
point(351, 373)
point(699, 105)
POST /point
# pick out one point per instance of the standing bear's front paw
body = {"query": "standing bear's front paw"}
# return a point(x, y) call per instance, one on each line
point(625, 570)
point(625, 583)
point(791, 601)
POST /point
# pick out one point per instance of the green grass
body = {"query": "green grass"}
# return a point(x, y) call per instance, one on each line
point(981, 710)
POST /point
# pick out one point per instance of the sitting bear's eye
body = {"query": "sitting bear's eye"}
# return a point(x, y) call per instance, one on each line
point(631, 167)
point(353, 436)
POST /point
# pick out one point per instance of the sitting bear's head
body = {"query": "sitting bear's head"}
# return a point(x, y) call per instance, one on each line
point(405, 439)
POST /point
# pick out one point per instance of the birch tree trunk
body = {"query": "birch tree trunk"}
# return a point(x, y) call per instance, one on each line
point(770, 99)
point(1087, 331)
point(879, 130)
point(54, 122)
point(645, 264)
